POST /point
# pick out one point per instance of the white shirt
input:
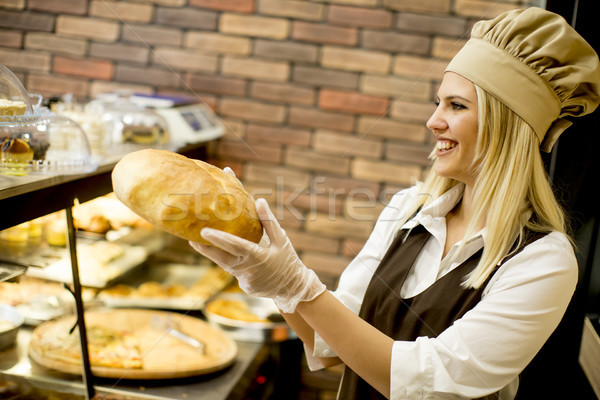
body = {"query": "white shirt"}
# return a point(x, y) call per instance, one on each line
point(486, 349)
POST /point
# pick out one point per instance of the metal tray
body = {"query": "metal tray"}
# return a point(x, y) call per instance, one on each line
point(276, 330)
point(166, 274)
point(9, 271)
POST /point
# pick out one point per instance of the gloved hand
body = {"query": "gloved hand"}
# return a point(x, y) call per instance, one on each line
point(266, 269)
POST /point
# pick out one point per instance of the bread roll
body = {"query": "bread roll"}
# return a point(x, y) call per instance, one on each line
point(182, 196)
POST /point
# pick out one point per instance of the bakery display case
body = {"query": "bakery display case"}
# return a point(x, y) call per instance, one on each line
point(156, 283)
point(34, 196)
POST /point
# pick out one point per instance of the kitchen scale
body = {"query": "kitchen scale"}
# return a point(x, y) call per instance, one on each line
point(188, 120)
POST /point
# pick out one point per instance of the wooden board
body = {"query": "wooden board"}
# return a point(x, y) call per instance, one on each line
point(164, 356)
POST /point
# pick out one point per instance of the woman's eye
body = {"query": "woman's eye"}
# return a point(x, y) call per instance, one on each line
point(437, 103)
point(457, 106)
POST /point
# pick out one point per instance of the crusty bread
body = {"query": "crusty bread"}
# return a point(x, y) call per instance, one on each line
point(181, 195)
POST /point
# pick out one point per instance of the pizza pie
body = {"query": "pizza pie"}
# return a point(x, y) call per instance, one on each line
point(107, 347)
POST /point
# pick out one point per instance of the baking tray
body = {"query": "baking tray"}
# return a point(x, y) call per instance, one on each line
point(9, 271)
point(167, 275)
point(90, 274)
point(275, 330)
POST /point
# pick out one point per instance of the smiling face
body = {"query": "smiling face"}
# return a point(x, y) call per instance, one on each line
point(454, 124)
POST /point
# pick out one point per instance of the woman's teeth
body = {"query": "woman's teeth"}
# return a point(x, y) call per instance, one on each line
point(445, 145)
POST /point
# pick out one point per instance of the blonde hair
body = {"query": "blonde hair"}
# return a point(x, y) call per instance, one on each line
point(511, 190)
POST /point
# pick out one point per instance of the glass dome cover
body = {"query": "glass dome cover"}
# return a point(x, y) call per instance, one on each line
point(35, 140)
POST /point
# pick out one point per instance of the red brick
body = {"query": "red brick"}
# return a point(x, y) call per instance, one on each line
point(246, 150)
point(59, 6)
point(345, 186)
point(186, 18)
point(396, 42)
point(121, 10)
point(359, 17)
point(343, 144)
point(289, 51)
point(146, 76)
point(279, 134)
point(217, 43)
point(325, 77)
point(13, 4)
point(280, 177)
point(351, 59)
point(388, 128)
point(58, 44)
point(152, 35)
point(432, 24)
point(408, 153)
point(25, 60)
point(26, 20)
point(309, 201)
point(254, 25)
point(352, 102)
point(120, 52)
point(397, 87)
point(320, 119)
point(483, 9)
point(426, 6)
point(321, 33)
point(303, 241)
point(216, 84)
point(385, 171)
point(182, 59)
point(252, 110)
point(255, 68)
point(246, 6)
point(92, 28)
point(98, 87)
point(95, 69)
point(51, 85)
point(11, 39)
point(282, 92)
point(295, 9)
point(412, 111)
point(234, 129)
point(338, 227)
point(310, 160)
point(446, 48)
point(330, 265)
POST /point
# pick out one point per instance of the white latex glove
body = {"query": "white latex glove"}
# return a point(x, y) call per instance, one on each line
point(266, 269)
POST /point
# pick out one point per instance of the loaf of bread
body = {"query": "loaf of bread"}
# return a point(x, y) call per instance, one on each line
point(181, 195)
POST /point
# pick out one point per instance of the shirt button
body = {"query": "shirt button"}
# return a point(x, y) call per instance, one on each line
point(326, 353)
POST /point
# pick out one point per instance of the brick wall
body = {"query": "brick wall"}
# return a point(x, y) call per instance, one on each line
point(324, 101)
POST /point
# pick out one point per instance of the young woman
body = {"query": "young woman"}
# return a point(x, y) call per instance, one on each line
point(465, 276)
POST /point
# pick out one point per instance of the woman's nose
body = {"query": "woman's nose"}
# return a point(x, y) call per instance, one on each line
point(436, 122)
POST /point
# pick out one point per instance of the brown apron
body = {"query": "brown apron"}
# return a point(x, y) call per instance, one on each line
point(427, 314)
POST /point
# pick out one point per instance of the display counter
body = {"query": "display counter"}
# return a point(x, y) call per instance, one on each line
point(24, 198)
point(234, 382)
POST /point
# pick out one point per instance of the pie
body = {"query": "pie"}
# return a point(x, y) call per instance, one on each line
point(233, 309)
point(107, 347)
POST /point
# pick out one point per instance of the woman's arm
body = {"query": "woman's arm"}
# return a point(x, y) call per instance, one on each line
point(359, 345)
point(307, 335)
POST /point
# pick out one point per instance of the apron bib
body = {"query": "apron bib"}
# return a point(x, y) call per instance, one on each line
point(427, 314)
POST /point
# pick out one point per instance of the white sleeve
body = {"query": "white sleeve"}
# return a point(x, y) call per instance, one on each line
point(492, 343)
point(355, 279)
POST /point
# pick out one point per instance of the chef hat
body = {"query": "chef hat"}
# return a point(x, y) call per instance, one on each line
point(534, 62)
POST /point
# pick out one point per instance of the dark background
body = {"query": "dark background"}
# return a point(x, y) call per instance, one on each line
point(573, 168)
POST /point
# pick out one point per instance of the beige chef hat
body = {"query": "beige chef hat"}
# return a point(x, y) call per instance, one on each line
point(535, 63)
